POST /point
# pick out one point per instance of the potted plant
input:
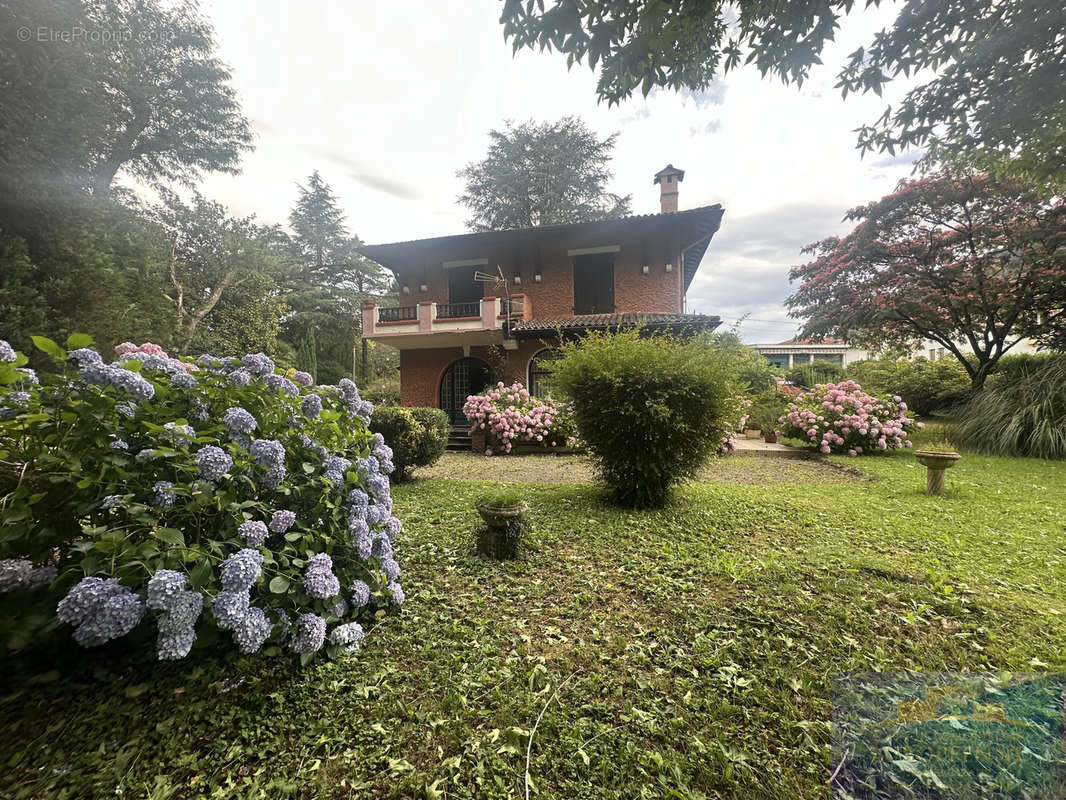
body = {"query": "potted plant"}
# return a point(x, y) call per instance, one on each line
point(937, 457)
point(766, 411)
point(752, 429)
point(504, 512)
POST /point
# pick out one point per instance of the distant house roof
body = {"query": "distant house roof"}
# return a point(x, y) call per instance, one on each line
point(536, 328)
point(695, 227)
point(826, 340)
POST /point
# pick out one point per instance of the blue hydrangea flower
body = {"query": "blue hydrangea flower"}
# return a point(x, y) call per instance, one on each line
point(101, 609)
point(40, 576)
point(391, 568)
point(173, 646)
point(382, 547)
point(241, 570)
point(133, 383)
point(145, 455)
point(278, 382)
point(240, 378)
point(348, 637)
point(237, 420)
point(358, 502)
point(253, 532)
point(230, 608)
point(339, 609)
point(178, 435)
point(376, 514)
point(184, 381)
point(393, 526)
point(114, 501)
point(181, 611)
point(119, 444)
point(273, 478)
point(128, 410)
point(360, 593)
point(14, 572)
point(31, 376)
point(281, 520)
point(252, 631)
point(361, 542)
point(214, 462)
point(162, 497)
point(268, 452)
point(319, 580)
point(7, 352)
point(303, 379)
point(378, 485)
point(201, 412)
point(258, 363)
point(309, 634)
point(336, 470)
point(311, 406)
point(96, 373)
point(164, 587)
point(396, 593)
point(83, 356)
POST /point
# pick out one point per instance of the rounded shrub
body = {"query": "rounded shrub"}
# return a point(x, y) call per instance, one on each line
point(417, 436)
point(926, 386)
point(842, 418)
point(1023, 416)
point(650, 409)
point(155, 498)
point(814, 373)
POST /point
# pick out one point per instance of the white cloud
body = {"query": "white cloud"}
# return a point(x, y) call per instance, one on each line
point(389, 101)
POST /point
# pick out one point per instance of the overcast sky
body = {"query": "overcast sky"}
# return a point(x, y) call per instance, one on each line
point(389, 100)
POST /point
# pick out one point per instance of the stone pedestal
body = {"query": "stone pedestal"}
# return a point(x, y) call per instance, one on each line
point(936, 464)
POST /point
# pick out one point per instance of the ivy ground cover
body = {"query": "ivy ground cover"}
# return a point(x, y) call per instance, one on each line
point(686, 652)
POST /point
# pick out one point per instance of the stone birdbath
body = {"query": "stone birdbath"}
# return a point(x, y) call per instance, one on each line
point(504, 514)
point(936, 463)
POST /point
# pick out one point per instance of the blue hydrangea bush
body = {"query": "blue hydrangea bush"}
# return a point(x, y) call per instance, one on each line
point(180, 502)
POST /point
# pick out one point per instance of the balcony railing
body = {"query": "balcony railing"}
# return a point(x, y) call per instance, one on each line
point(458, 310)
point(398, 314)
point(488, 314)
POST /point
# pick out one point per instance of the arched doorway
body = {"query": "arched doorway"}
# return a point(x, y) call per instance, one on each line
point(464, 377)
point(539, 383)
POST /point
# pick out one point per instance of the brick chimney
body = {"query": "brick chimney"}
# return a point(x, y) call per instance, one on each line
point(668, 178)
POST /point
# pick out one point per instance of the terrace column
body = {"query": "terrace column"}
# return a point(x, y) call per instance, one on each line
point(425, 315)
point(369, 318)
point(489, 313)
point(790, 361)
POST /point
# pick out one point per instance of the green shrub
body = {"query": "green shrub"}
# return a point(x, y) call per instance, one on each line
point(651, 409)
point(417, 436)
point(925, 386)
point(385, 392)
point(1023, 417)
point(155, 496)
point(1019, 366)
point(766, 410)
point(753, 373)
point(818, 371)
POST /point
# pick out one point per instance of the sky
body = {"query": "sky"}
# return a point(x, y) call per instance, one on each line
point(389, 100)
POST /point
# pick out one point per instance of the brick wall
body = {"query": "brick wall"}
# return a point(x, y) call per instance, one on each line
point(554, 295)
point(421, 370)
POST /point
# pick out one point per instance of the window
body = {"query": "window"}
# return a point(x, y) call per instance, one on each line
point(833, 358)
point(462, 288)
point(594, 283)
point(539, 376)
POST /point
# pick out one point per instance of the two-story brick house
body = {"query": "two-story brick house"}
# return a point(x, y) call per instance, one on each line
point(453, 330)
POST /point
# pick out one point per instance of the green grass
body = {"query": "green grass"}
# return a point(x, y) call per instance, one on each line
point(681, 653)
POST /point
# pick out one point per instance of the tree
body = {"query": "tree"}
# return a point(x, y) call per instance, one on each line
point(330, 286)
point(547, 174)
point(211, 257)
point(997, 92)
point(135, 87)
point(974, 263)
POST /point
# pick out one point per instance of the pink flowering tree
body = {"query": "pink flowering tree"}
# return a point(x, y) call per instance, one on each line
point(842, 418)
point(509, 415)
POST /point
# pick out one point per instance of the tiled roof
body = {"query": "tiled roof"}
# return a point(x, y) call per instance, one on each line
point(584, 322)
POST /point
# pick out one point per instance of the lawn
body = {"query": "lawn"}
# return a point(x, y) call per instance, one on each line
point(680, 653)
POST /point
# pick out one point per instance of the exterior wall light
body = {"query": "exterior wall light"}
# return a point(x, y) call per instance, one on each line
point(669, 267)
point(422, 287)
point(536, 278)
point(517, 280)
point(645, 269)
point(407, 290)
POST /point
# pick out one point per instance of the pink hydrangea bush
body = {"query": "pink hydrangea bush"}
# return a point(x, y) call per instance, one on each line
point(125, 350)
point(729, 440)
point(510, 415)
point(842, 418)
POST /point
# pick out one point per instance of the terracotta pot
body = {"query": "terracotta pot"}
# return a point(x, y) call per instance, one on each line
point(770, 438)
point(499, 517)
point(478, 442)
point(935, 465)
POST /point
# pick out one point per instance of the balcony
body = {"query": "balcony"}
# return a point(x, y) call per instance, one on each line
point(431, 324)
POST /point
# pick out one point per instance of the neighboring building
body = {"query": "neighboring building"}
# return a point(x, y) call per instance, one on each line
point(795, 352)
point(454, 330)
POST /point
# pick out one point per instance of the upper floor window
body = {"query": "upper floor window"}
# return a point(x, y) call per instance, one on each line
point(594, 283)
